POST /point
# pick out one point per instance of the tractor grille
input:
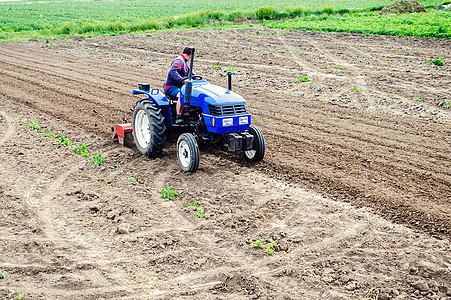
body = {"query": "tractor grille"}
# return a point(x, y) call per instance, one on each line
point(239, 109)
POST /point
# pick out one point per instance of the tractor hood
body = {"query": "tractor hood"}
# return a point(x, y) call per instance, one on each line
point(206, 93)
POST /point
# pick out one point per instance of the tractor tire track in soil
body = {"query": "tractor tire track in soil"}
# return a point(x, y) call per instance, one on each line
point(353, 134)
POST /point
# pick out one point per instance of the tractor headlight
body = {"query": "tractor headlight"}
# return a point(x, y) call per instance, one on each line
point(244, 120)
point(227, 122)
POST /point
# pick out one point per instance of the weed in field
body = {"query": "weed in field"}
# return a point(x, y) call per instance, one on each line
point(132, 179)
point(194, 203)
point(18, 297)
point(272, 33)
point(356, 89)
point(34, 125)
point(284, 34)
point(393, 96)
point(304, 79)
point(231, 69)
point(98, 160)
point(2, 276)
point(215, 67)
point(63, 141)
point(199, 213)
point(49, 133)
point(437, 62)
point(337, 67)
point(257, 32)
point(447, 103)
point(82, 150)
point(417, 99)
point(169, 193)
point(268, 248)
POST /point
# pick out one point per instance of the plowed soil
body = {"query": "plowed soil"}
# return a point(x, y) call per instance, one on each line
point(355, 187)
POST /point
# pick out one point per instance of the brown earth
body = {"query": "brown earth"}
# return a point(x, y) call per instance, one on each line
point(354, 188)
point(403, 7)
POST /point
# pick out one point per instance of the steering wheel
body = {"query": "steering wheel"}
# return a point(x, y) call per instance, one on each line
point(197, 77)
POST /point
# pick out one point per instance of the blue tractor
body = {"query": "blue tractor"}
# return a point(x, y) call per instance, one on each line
point(212, 115)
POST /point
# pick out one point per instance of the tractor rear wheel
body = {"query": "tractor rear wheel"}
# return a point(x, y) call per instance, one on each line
point(148, 128)
point(188, 152)
point(258, 151)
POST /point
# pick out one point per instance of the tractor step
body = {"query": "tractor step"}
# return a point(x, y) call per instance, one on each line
point(121, 131)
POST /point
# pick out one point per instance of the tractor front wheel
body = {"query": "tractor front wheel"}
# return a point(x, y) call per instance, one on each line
point(258, 151)
point(148, 128)
point(188, 152)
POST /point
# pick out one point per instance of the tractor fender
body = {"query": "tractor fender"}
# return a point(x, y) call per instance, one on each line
point(154, 95)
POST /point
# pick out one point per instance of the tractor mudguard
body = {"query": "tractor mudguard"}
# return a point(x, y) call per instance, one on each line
point(160, 101)
point(155, 95)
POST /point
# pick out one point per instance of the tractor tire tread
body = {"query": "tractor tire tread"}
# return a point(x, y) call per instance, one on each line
point(158, 128)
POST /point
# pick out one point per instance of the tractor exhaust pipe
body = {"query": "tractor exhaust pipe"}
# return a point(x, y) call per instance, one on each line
point(229, 80)
point(189, 82)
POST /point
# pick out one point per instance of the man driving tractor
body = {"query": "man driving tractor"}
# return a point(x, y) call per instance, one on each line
point(178, 73)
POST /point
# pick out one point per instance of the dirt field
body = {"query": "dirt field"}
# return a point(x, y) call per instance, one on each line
point(355, 186)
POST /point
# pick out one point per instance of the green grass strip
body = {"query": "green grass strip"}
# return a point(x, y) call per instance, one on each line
point(23, 26)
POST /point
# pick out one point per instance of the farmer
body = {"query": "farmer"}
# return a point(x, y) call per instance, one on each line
point(178, 73)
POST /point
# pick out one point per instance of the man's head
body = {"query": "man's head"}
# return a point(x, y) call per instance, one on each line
point(187, 52)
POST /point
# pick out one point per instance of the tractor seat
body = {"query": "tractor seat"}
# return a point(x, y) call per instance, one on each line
point(167, 96)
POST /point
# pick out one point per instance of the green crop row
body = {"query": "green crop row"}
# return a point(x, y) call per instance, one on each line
point(36, 19)
point(436, 24)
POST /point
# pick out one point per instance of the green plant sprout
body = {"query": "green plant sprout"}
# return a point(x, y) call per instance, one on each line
point(34, 125)
point(437, 62)
point(82, 150)
point(356, 89)
point(231, 69)
point(169, 193)
point(2, 276)
point(63, 141)
point(18, 297)
point(304, 79)
point(49, 133)
point(216, 67)
point(268, 248)
point(132, 179)
point(199, 213)
point(417, 99)
point(194, 203)
point(98, 160)
point(337, 67)
point(16, 119)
